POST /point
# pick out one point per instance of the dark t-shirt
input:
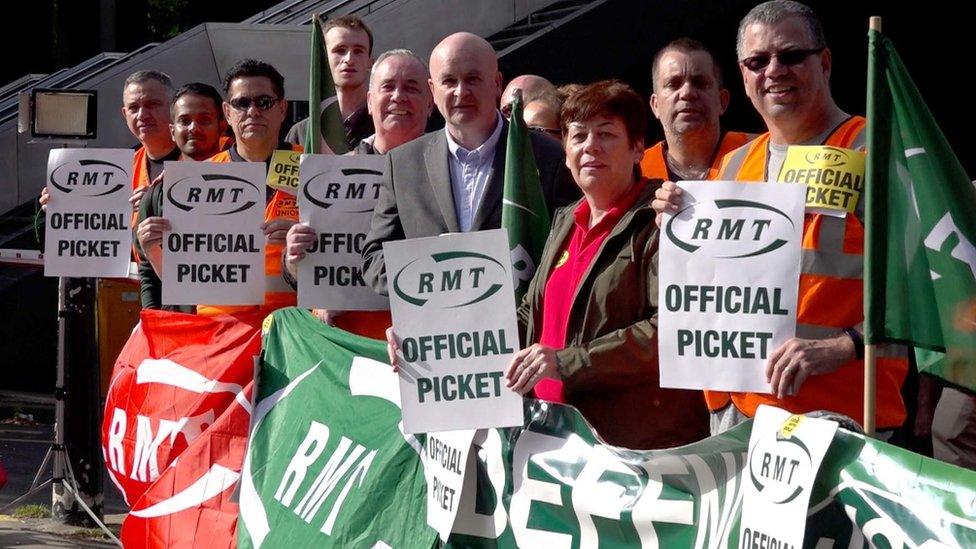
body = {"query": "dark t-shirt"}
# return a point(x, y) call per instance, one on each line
point(156, 166)
point(358, 126)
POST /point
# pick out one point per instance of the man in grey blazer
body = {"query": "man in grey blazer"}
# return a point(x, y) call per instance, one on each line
point(452, 180)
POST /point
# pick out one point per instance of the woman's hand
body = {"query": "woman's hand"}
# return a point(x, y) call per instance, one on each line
point(529, 366)
point(667, 198)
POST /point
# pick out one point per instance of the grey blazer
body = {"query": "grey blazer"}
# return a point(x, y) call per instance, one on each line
point(418, 200)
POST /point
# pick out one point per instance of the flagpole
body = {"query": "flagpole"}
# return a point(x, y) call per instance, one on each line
point(870, 361)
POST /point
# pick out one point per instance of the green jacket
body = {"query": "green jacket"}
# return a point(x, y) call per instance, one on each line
point(610, 361)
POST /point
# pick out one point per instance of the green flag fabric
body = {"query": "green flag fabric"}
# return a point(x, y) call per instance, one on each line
point(920, 245)
point(524, 212)
point(320, 84)
point(326, 464)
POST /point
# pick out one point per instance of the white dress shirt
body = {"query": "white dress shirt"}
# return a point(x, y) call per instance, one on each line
point(470, 173)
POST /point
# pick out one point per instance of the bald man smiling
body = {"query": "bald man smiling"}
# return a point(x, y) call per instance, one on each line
point(451, 180)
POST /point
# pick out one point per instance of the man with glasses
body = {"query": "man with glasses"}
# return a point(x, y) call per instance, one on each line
point(532, 86)
point(542, 115)
point(688, 98)
point(785, 66)
point(255, 108)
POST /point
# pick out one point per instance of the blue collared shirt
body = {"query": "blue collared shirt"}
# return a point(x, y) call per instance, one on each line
point(470, 173)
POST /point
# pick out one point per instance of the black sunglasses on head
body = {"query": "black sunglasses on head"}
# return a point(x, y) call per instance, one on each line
point(789, 58)
point(263, 102)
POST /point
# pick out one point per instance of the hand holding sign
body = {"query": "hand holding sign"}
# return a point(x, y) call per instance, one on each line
point(797, 359)
point(667, 198)
point(529, 366)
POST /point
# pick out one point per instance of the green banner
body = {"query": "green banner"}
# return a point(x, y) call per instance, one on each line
point(920, 269)
point(326, 464)
point(552, 483)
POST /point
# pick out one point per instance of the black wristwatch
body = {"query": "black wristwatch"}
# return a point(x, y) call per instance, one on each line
point(858, 342)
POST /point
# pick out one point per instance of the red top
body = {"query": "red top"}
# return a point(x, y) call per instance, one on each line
point(575, 259)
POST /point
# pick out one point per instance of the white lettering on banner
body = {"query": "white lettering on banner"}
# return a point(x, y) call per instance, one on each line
point(714, 520)
point(351, 466)
point(469, 521)
point(593, 497)
point(537, 447)
point(963, 250)
point(116, 453)
point(650, 508)
point(145, 464)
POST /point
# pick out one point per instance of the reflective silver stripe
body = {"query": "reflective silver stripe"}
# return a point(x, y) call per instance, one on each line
point(839, 265)
point(736, 158)
point(860, 140)
point(813, 331)
point(831, 234)
point(274, 283)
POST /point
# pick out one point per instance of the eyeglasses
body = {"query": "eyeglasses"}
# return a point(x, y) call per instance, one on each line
point(551, 131)
point(789, 58)
point(263, 102)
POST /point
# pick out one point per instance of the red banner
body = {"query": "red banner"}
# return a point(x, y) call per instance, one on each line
point(175, 427)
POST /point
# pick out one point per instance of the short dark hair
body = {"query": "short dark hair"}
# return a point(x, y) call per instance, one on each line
point(610, 98)
point(685, 45)
point(252, 67)
point(350, 22)
point(202, 90)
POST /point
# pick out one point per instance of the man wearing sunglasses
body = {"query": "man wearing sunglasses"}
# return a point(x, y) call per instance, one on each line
point(255, 107)
point(688, 98)
point(785, 66)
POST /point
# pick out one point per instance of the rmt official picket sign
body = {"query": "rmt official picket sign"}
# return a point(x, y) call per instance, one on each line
point(730, 268)
point(453, 309)
point(336, 198)
point(215, 251)
point(89, 218)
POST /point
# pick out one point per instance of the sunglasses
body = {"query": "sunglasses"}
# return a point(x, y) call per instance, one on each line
point(263, 103)
point(789, 58)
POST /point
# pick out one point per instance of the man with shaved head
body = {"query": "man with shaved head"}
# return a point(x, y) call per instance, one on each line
point(532, 87)
point(451, 180)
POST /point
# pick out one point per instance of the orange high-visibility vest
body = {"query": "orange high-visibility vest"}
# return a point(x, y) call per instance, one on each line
point(654, 166)
point(831, 298)
point(278, 294)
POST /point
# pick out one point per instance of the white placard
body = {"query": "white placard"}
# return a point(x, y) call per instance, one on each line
point(445, 459)
point(89, 218)
point(785, 452)
point(214, 253)
point(453, 310)
point(336, 198)
point(729, 274)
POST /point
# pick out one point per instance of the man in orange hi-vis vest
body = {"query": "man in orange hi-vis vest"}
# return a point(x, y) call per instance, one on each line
point(255, 108)
point(785, 67)
point(688, 98)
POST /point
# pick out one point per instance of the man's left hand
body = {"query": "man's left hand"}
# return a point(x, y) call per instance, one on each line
point(797, 359)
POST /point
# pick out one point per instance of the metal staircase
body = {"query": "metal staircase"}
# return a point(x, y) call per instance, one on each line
point(537, 24)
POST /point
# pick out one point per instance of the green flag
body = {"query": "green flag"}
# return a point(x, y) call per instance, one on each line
point(329, 124)
point(524, 212)
point(326, 464)
point(920, 265)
